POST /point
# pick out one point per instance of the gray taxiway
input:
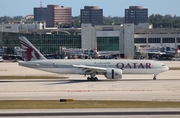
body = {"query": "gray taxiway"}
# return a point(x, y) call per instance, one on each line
point(131, 87)
point(92, 113)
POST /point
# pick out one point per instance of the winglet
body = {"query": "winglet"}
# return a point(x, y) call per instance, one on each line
point(30, 52)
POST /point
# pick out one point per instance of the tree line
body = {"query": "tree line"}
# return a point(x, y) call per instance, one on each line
point(160, 21)
point(157, 20)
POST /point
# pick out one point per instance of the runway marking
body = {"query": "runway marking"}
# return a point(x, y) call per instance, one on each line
point(141, 90)
point(3, 70)
point(77, 91)
point(26, 99)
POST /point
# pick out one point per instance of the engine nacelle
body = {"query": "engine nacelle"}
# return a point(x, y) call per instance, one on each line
point(113, 73)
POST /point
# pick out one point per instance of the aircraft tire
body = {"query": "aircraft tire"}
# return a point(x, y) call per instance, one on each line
point(89, 79)
point(92, 79)
point(154, 78)
point(96, 79)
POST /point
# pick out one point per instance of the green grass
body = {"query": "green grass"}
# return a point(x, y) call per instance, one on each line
point(174, 68)
point(55, 104)
point(31, 77)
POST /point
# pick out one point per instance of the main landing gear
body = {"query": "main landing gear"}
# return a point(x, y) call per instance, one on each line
point(92, 77)
point(154, 78)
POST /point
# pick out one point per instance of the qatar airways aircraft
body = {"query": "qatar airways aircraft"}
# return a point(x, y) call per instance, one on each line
point(111, 69)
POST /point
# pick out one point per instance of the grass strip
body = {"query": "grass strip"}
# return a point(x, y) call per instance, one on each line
point(178, 68)
point(55, 104)
point(31, 77)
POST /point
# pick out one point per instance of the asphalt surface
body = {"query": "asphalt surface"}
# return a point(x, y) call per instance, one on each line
point(130, 87)
point(94, 113)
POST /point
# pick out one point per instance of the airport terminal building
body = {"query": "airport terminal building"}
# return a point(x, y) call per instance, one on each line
point(119, 39)
point(157, 37)
point(109, 38)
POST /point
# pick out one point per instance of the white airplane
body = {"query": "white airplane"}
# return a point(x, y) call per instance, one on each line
point(111, 69)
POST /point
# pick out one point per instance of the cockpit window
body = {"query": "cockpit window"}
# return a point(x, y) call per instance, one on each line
point(163, 65)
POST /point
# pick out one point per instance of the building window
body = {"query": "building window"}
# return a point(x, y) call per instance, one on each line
point(108, 43)
point(107, 29)
point(178, 40)
point(168, 40)
point(154, 40)
point(45, 43)
point(140, 40)
point(8, 27)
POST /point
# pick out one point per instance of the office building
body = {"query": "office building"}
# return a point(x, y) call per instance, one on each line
point(53, 15)
point(91, 14)
point(136, 15)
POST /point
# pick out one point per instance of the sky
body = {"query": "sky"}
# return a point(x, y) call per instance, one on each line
point(110, 7)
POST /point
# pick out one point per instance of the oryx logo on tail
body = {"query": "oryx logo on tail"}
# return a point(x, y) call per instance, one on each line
point(30, 52)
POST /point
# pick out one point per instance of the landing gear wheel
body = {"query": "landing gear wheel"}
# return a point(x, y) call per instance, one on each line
point(92, 79)
point(89, 79)
point(96, 79)
point(155, 75)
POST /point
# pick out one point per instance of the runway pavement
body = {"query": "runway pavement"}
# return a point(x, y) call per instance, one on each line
point(93, 113)
point(131, 87)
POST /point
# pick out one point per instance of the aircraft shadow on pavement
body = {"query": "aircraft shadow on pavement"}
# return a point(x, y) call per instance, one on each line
point(3, 81)
point(75, 81)
point(68, 81)
point(85, 81)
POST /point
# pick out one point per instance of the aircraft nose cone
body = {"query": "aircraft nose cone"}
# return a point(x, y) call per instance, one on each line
point(167, 68)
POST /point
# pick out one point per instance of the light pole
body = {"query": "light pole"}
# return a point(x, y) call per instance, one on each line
point(1, 40)
point(57, 29)
point(26, 28)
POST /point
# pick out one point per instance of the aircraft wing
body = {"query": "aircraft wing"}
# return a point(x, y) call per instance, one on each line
point(90, 69)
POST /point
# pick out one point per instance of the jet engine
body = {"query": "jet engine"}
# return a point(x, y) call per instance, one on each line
point(113, 73)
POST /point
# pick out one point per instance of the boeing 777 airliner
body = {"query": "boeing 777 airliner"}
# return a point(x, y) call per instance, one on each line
point(111, 69)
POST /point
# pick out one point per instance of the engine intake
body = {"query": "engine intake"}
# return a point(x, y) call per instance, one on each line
point(113, 73)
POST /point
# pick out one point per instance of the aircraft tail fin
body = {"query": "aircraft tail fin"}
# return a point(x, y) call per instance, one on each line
point(30, 52)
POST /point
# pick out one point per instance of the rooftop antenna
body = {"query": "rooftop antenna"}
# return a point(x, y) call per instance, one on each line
point(41, 4)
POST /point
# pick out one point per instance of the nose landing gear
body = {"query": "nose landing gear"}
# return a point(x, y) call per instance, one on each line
point(154, 78)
